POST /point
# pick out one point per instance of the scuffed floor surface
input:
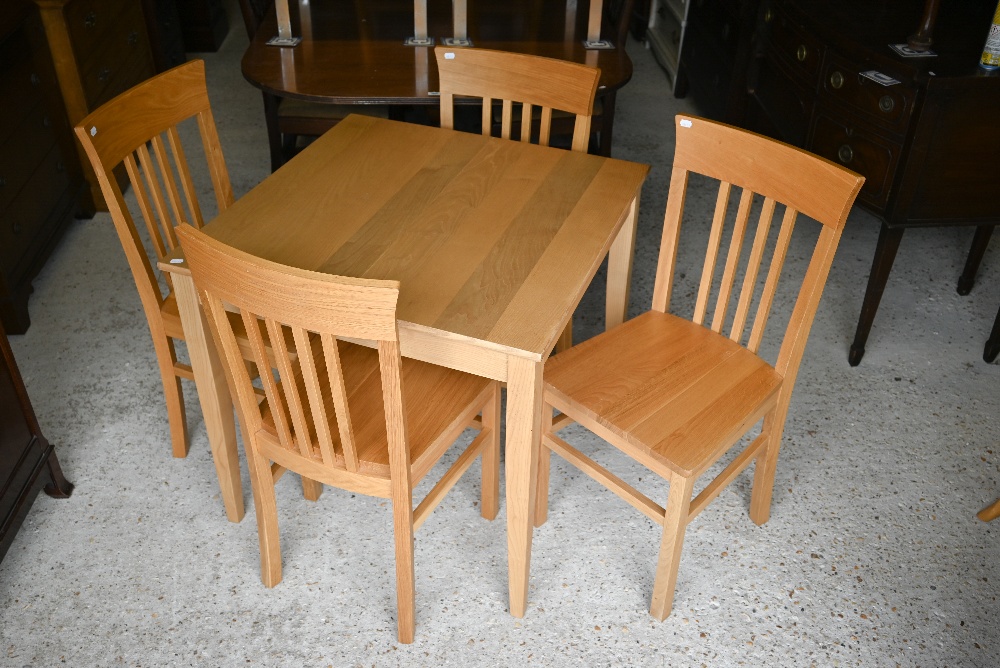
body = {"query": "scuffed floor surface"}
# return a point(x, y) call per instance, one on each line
point(872, 557)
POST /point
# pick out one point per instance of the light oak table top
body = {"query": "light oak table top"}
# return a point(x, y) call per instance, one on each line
point(493, 241)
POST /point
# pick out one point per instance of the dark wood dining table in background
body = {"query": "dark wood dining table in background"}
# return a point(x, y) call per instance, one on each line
point(354, 53)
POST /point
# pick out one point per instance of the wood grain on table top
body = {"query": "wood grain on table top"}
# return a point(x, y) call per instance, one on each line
point(489, 238)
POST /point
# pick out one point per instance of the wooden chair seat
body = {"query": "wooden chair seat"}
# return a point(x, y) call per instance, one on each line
point(436, 402)
point(675, 393)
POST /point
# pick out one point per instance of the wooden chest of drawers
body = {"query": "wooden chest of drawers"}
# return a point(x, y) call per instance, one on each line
point(100, 49)
point(40, 180)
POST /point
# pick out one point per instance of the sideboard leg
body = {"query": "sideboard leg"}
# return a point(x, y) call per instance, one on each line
point(59, 487)
point(885, 254)
point(980, 240)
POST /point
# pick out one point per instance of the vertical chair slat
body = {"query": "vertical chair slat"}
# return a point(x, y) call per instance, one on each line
point(771, 283)
point(664, 284)
point(545, 131)
point(216, 161)
point(170, 185)
point(753, 267)
point(314, 394)
point(506, 119)
point(165, 232)
point(142, 196)
point(712, 256)
point(486, 115)
point(187, 184)
point(274, 398)
point(732, 261)
point(290, 386)
point(331, 351)
point(526, 123)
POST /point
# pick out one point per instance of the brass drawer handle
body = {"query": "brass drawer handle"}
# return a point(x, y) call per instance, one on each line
point(16, 227)
point(886, 103)
point(845, 153)
point(46, 122)
point(802, 52)
point(768, 15)
point(3, 182)
point(103, 75)
point(837, 80)
point(35, 80)
point(60, 166)
point(90, 20)
point(133, 38)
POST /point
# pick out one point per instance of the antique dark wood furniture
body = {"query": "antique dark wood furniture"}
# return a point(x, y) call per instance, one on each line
point(40, 179)
point(27, 461)
point(926, 145)
point(204, 24)
point(354, 53)
point(100, 49)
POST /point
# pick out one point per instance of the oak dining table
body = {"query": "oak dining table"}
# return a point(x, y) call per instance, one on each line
point(494, 243)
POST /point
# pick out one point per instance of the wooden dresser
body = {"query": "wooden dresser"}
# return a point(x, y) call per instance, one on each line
point(27, 461)
point(927, 145)
point(40, 177)
point(100, 49)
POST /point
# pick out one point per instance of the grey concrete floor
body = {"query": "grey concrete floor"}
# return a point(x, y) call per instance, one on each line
point(872, 556)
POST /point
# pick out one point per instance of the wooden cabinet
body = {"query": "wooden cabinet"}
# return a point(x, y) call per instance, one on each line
point(926, 144)
point(27, 461)
point(714, 55)
point(100, 49)
point(40, 179)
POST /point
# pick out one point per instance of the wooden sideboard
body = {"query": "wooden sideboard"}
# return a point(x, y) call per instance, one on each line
point(40, 177)
point(100, 49)
point(926, 145)
point(28, 463)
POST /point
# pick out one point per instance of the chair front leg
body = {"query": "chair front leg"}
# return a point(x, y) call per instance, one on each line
point(674, 525)
point(402, 521)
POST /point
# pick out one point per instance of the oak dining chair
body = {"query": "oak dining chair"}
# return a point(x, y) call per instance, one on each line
point(133, 138)
point(290, 121)
point(340, 413)
point(508, 78)
point(541, 86)
point(677, 395)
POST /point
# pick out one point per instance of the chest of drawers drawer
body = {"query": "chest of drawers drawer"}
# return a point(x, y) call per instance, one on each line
point(799, 50)
point(867, 153)
point(888, 107)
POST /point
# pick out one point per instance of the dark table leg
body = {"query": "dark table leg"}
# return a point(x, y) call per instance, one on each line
point(980, 240)
point(607, 122)
point(271, 103)
point(993, 343)
point(885, 254)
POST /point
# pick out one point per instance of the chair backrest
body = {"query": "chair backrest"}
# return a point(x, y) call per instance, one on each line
point(253, 14)
point(780, 174)
point(306, 388)
point(139, 129)
point(533, 81)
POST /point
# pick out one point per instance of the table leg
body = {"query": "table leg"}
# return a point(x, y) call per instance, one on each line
point(213, 394)
point(980, 240)
point(885, 254)
point(620, 269)
point(524, 402)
